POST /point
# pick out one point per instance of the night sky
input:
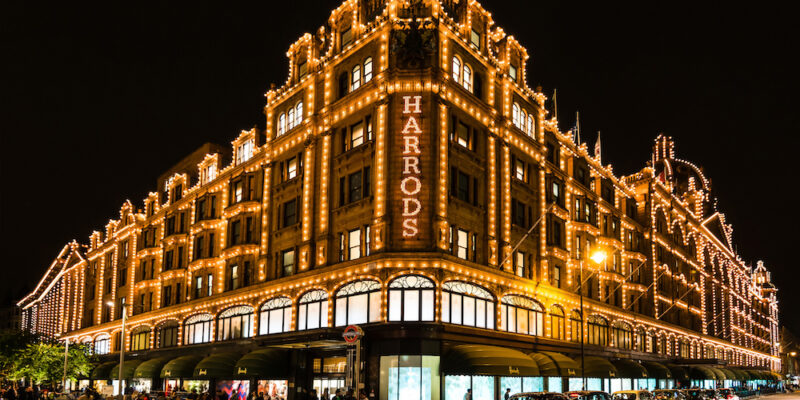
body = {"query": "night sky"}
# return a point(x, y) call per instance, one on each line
point(97, 101)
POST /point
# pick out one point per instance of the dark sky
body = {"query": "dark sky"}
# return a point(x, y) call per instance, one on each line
point(97, 101)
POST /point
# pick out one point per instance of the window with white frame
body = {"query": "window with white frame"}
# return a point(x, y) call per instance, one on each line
point(209, 172)
point(519, 263)
point(475, 40)
point(355, 82)
point(235, 323)
point(411, 298)
point(467, 304)
point(167, 334)
point(512, 72)
point(312, 310)
point(457, 70)
point(298, 114)
point(358, 303)
point(290, 119)
point(462, 73)
point(467, 78)
point(367, 70)
point(282, 124)
point(354, 243)
point(197, 329)
point(522, 315)
point(275, 317)
point(102, 345)
point(292, 167)
point(244, 151)
point(462, 244)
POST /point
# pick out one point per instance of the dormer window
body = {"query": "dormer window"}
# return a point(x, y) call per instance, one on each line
point(208, 173)
point(475, 40)
point(512, 73)
point(289, 120)
point(347, 37)
point(244, 151)
point(302, 69)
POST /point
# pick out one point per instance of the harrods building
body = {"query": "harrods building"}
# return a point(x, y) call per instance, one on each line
point(409, 181)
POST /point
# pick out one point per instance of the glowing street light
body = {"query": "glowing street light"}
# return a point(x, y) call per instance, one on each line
point(599, 256)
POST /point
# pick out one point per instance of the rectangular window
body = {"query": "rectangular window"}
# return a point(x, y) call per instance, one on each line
point(198, 287)
point(366, 240)
point(235, 232)
point(552, 154)
point(341, 247)
point(198, 248)
point(237, 192)
point(354, 187)
point(166, 296)
point(519, 169)
point(248, 230)
point(244, 151)
point(356, 135)
point(200, 210)
point(123, 275)
point(460, 185)
point(287, 262)
point(519, 264)
point(211, 244)
point(462, 135)
point(557, 276)
point(475, 40)
point(518, 213)
point(291, 168)
point(512, 73)
point(209, 285)
point(354, 244)
point(289, 213)
point(347, 37)
point(180, 257)
point(462, 244)
point(234, 278)
point(168, 258)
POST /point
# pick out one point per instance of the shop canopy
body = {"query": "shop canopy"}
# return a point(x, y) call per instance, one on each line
point(740, 375)
point(729, 375)
point(678, 373)
point(102, 371)
point(181, 367)
point(630, 369)
point(657, 370)
point(746, 375)
point(127, 369)
point(150, 369)
point(218, 365)
point(777, 376)
point(555, 364)
point(702, 373)
point(720, 376)
point(472, 359)
point(263, 364)
point(596, 367)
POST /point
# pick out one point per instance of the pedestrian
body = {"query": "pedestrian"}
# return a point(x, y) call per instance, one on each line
point(508, 394)
point(468, 395)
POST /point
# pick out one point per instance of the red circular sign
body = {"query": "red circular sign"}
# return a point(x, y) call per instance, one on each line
point(352, 333)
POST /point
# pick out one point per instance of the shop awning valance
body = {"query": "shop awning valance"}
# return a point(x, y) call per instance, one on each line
point(630, 369)
point(219, 365)
point(127, 369)
point(596, 367)
point(678, 373)
point(150, 369)
point(720, 376)
point(777, 376)
point(102, 372)
point(472, 359)
point(657, 370)
point(181, 367)
point(263, 364)
point(556, 364)
point(702, 373)
point(729, 375)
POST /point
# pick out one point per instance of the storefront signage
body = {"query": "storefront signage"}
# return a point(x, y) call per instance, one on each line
point(410, 184)
point(241, 371)
point(167, 373)
point(571, 372)
point(202, 372)
point(513, 371)
point(352, 334)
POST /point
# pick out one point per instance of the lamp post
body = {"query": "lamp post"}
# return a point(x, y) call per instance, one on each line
point(121, 343)
point(597, 257)
point(66, 354)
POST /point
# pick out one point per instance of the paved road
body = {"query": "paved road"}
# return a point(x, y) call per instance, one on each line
point(781, 396)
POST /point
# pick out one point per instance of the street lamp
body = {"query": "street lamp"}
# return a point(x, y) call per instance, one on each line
point(121, 343)
point(66, 354)
point(598, 257)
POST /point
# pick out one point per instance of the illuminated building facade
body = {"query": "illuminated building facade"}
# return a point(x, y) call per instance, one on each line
point(404, 162)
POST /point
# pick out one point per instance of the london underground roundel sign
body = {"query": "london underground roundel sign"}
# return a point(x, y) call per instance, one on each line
point(352, 334)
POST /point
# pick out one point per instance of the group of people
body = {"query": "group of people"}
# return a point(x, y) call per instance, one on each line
point(37, 393)
point(34, 392)
point(340, 394)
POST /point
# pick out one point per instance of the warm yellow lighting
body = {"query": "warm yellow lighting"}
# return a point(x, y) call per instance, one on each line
point(793, 354)
point(599, 256)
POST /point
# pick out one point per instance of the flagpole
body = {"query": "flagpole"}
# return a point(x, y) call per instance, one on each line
point(555, 103)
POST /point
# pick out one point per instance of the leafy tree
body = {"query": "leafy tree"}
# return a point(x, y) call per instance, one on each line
point(43, 362)
point(11, 343)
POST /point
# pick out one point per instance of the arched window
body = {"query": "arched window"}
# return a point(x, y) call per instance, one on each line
point(411, 299)
point(235, 323)
point(651, 342)
point(140, 338)
point(291, 119)
point(466, 304)
point(358, 303)
point(683, 348)
point(557, 323)
point(661, 344)
point(367, 70)
point(516, 112)
point(467, 78)
point(197, 329)
point(531, 126)
point(597, 327)
point(282, 124)
point(298, 114)
point(641, 340)
point(167, 334)
point(523, 119)
point(575, 326)
point(276, 316)
point(457, 70)
point(312, 310)
point(623, 335)
point(521, 315)
point(355, 81)
point(102, 345)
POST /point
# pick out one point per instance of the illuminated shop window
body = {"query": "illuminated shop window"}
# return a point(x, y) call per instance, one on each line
point(312, 310)
point(276, 316)
point(467, 304)
point(557, 319)
point(358, 303)
point(575, 326)
point(410, 377)
point(623, 335)
point(140, 339)
point(522, 315)
point(235, 323)
point(197, 329)
point(597, 329)
point(641, 340)
point(411, 298)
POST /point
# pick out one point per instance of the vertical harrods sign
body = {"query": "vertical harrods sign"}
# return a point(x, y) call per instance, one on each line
point(410, 183)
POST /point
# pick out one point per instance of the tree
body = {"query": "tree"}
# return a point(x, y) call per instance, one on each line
point(43, 362)
point(11, 343)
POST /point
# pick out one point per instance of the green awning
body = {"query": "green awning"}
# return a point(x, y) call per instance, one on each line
point(747, 375)
point(181, 367)
point(219, 365)
point(702, 373)
point(556, 364)
point(102, 371)
point(150, 369)
point(596, 367)
point(754, 374)
point(657, 370)
point(263, 364)
point(127, 369)
point(729, 375)
point(678, 373)
point(472, 359)
point(778, 377)
point(630, 369)
point(720, 376)
point(740, 375)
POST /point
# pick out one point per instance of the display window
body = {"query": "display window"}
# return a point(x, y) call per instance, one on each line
point(276, 389)
point(235, 390)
